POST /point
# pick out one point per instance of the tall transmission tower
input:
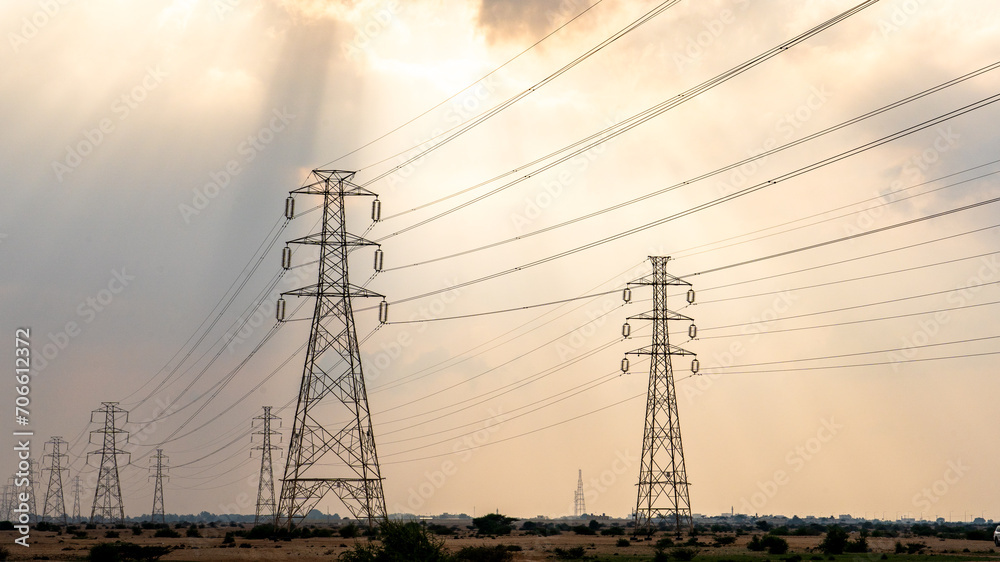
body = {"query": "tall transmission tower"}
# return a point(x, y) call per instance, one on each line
point(76, 500)
point(663, 484)
point(108, 506)
point(266, 505)
point(578, 506)
point(55, 503)
point(158, 469)
point(332, 446)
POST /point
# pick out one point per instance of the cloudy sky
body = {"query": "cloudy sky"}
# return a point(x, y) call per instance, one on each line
point(149, 147)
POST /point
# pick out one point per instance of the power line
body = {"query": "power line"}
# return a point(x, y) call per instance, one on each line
point(848, 260)
point(840, 324)
point(456, 94)
point(634, 121)
point(490, 312)
point(511, 101)
point(712, 173)
point(850, 237)
point(740, 193)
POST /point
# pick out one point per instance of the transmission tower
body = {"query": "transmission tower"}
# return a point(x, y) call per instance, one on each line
point(158, 469)
point(266, 505)
point(32, 503)
point(76, 500)
point(663, 485)
point(578, 506)
point(55, 503)
point(7, 507)
point(108, 506)
point(325, 452)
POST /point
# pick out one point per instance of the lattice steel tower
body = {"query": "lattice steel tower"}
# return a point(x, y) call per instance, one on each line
point(108, 506)
point(158, 469)
point(266, 505)
point(663, 484)
point(32, 503)
point(55, 502)
point(332, 447)
point(578, 506)
point(7, 505)
point(76, 500)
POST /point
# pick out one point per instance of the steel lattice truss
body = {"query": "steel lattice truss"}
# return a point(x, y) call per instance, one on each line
point(54, 506)
point(663, 485)
point(108, 506)
point(157, 512)
point(332, 447)
point(266, 506)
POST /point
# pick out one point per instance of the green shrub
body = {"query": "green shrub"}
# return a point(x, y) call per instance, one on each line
point(664, 543)
point(400, 541)
point(613, 531)
point(835, 541)
point(349, 531)
point(623, 542)
point(774, 545)
point(724, 540)
point(125, 551)
point(494, 524)
point(575, 553)
point(111, 534)
point(166, 533)
point(683, 554)
point(495, 553)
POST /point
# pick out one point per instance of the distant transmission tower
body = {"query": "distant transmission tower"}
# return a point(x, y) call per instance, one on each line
point(578, 506)
point(32, 503)
point(663, 485)
point(54, 506)
point(266, 506)
point(158, 469)
point(76, 500)
point(7, 506)
point(108, 506)
point(332, 447)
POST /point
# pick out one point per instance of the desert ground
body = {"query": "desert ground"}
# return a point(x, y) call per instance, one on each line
point(209, 547)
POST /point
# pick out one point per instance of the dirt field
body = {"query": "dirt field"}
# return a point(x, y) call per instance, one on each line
point(50, 546)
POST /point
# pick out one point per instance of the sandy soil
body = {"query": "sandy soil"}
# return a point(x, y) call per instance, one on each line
point(209, 548)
